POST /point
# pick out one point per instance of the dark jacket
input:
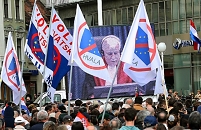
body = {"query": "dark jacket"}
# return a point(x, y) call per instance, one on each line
point(38, 126)
point(9, 117)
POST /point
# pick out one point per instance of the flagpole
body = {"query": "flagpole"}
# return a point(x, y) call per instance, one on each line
point(46, 57)
point(108, 96)
point(100, 14)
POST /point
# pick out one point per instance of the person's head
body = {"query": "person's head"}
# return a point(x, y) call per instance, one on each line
point(115, 106)
point(173, 120)
point(177, 128)
point(64, 101)
point(78, 102)
point(150, 121)
point(68, 120)
point(49, 125)
point(162, 116)
point(129, 101)
point(171, 102)
point(149, 101)
point(42, 116)
point(194, 120)
point(62, 127)
point(170, 91)
point(138, 100)
point(130, 114)
point(178, 106)
point(91, 128)
point(16, 113)
point(77, 126)
point(49, 109)
point(141, 115)
point(115, 123)
point(20, 121)
point(111, 50)
point(198, 91)
point(195, 105)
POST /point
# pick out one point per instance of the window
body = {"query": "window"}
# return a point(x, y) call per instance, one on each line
point(17, 9)
point(182, 10)
point(161, 12)
point(118, 14)
point(130, 15)
point(175, 28)
point(69, 22)
point(124, 16)
point(169, 28)
point(19, 48)
point(148, 8)
point(155, 12)
point(189, 9)
point(175, 10)
point(162, 29)
point(196, 8)
point(168, 10)
point(182, 26)
point(6, 8)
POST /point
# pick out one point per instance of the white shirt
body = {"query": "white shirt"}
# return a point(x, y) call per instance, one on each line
point(112, 71)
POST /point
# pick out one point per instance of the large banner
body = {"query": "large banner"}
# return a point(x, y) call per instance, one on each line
point(110, 41)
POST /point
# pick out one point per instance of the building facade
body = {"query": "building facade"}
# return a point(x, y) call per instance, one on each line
point(171, 19)
point(12, 19)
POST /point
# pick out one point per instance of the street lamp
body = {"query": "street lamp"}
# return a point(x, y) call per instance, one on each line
point(162, 48)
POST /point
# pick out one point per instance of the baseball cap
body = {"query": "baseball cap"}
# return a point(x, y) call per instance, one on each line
point(67, 117)
point(150, 121)
point(19, 119)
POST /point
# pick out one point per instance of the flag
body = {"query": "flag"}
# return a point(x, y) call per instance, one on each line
point(36, 42)
point(85, 51)
point(24, 107)
point(59, 52)
point(194, 36)
point(140, 52)
point(11, 73)
point(160, 87)
point(80, 117)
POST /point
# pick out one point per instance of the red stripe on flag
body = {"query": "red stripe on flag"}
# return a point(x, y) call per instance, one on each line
point(87, 49)
point(140, 69)
point(142, 45)
point(142, 20)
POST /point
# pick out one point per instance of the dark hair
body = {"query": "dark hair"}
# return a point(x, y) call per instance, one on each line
point(138, 100)
point(77, 126)
point(178, 106)
point(48, 108)
point(149, 101)
point(130, 114)
point(78, 102)
point(53, 119)
point(115, 106)
point(160, 126)
point(171, 102)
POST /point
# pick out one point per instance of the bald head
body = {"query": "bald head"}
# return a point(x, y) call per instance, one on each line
point(129, 101)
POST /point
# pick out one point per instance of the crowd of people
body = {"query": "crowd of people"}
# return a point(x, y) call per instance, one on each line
point(175, 113)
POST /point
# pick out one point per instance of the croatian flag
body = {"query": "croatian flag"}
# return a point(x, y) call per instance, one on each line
point(36, 42)
point(11, 73)
point(140, 52)
point(85, 51)
point(80, 117)
point(59, 52)
point(194, 36)
point(24, 107)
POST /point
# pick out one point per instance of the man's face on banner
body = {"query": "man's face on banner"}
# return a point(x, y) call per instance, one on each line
point(111, 53)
